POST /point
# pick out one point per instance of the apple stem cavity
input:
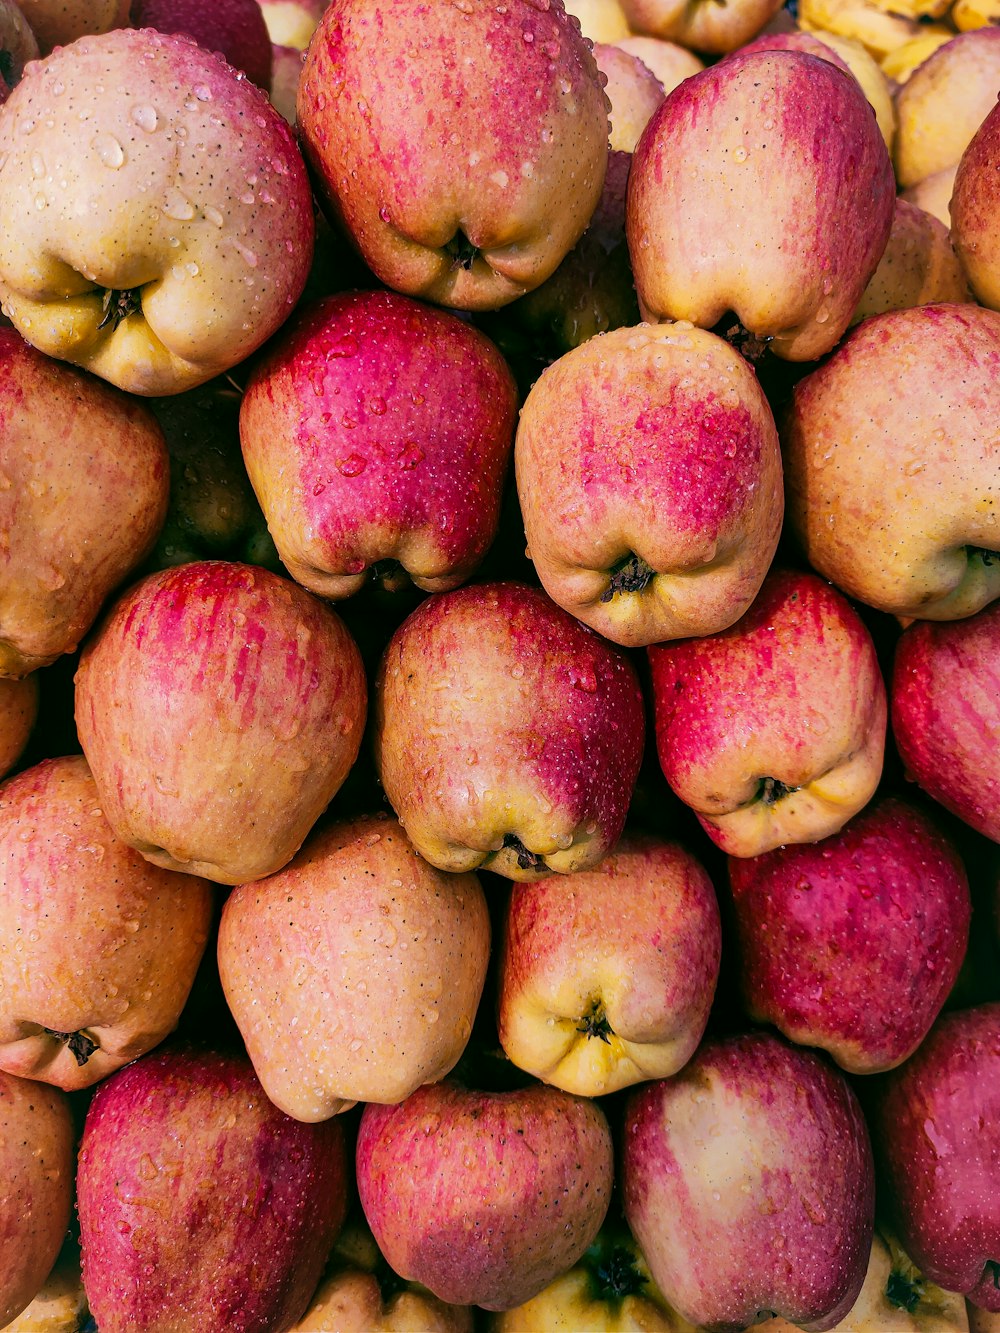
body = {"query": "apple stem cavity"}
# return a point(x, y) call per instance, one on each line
point(771, 790)
point(118, 304)
point(463, 253)
point(389, 575)
point(992, 1269)
point(751, 346)
point(984, 554)
point(595, 1024)
point(82, 1046)
point(630, 575)
point(525, 859)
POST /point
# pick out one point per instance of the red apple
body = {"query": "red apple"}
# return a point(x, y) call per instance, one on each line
point(18, 711)
point(201, 1205)
point(748, 1181)
point(377, 433)
point(853, 944)
point(936, 1125)
point(220, 707)
point(606, 978)
point(463, 147)
point(773, 731)
point(236, 28)
point(482, 1197)
point(946, 714)
point(508, 736)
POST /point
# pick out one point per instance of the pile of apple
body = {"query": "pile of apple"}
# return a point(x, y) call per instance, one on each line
point(499, 666)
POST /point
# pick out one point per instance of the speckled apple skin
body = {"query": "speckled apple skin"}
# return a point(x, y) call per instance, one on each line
point(936, 1126)
point(202, 1207)
point(853, 944)
point(355, 973)
point(946, 714)
point(482, 1197)
point(56, 22)
point(497, 713)
point(220, 707)
point(793, 691)
point(659, 442)
point(974, 230)
point(748, 1183)
point(703, 25)
point(892, 462)
point(234, 27)
point(379, 428)
point(640, 936)
point(761, 186)
point(92, 936)
point(18, 714)
point(84, 485)
point(36, 1187)
point(919, 266)
point(186, 184)
point(421, 119)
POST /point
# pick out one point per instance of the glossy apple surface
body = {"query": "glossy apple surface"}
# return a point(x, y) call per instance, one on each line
point(18, 711)
point(234, 27)
point(57, 22)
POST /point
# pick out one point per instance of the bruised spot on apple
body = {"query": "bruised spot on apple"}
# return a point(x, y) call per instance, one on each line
point(508, 736)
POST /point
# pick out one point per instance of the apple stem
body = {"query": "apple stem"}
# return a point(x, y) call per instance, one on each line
point(82, 1046)
point(772, 790)
point(118, 304)
point(903, 1292)
point(630, 575)
point(525, 859)
point(463, 252)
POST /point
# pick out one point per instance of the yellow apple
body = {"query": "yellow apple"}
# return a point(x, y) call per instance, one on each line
point(61, 1303)
point(702, 25)
point(876, 29)
point(600, 20)
point(57, 22)
point(670, 62)
point(633, 90)
point(18, 711)
point(933, 194)
point(898, 65)
point(919, 266)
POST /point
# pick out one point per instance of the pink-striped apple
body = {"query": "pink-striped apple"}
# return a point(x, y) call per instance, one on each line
point(811, 187)
point(945, 700)
point(484, 1197)
point(377, 433)
point(633, 90)
point(508, 736)
point(703, 25)
point(853, 944)
point(595, 997)
point(748, 1182)
point(220, 708)
point(774, 730)
point(973, 211)
point(236, 28)
point(462, 147)
point(649, 476)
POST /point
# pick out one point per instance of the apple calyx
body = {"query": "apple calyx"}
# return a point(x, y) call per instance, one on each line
point(771, 790)
point(462, 251)
point(389, 574)
point(751, 346)
point(630, 575)
point(81, 1046)
point(595, 1024)
point(526, 860)
point(117, 304)
point(984, 554)
point(613, 1271)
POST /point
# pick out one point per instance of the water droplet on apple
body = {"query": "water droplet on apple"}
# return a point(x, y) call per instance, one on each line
point(109, 150)
point(177, 206)
point(213, 216)
point(351, 466)
point(202, 92)
point(740, 154)
point(41, 203)
point(411, 456)
point(145, 117)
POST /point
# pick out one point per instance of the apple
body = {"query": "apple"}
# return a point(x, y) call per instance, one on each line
point(286, 70)
point(463, 148)
point(18, 712)
point(703, 25)
point(933, 195)
point(853, 944)
point(600, 20)
point(671, 64)
point(61, 1304)
point(98, 948)
point(36, 1187)
point(235, 28)
point(891, 462)
point(900, 64)
point(507, 735)
point(974, 230)
point(607, 978)
point(936, 1126)
point(918, 267)
point(75, 518)
point(360, 1293)
point(719, 149)
point(748, 1183)
point(982, 1321)
point(633, 90)
point(18, 45)
point(874, 82)
point(773, 731)
point(220, 708)
point(376, 433)
point(649, 476)
point(946, 714)
point(159, 295)
point(484, 1197)
point(201, 1205)
point(292, 22)
point(59, 22)
point(355, 973)
point(876, 27)
point(968, 14)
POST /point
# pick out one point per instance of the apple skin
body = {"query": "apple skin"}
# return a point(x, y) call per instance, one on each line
point(201, 1205)
point(18, 713)
point(84, 485)
point(17, 44)
point(94, 941)
point(895, 503)
point(36, 1187)
point(377, 428)
point(671, 64)
point(794, 269)
point(220, 707)
point(236, 28)
point(774, 730)
point(463, 149)
point(853, 944)
point(291, 23)
point(59, 22)
point(160, 296)
point(482, 1197)
point(654, 445)
point(936, 1127)
point(919, 266)
point(945, 701)
point(607, 978)
point(633, 90)
point(507, 735)
point(61, 1304)
point(748, 1183)
point(354, 974)
point(974, 230)
point(704, 25)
